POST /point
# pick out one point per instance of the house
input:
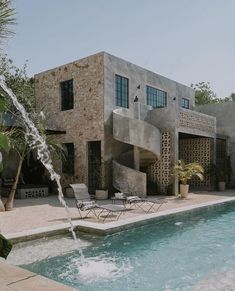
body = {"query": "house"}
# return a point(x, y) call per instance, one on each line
point(123, 126)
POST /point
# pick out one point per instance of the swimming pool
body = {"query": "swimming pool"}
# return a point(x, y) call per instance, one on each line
point(174, 254)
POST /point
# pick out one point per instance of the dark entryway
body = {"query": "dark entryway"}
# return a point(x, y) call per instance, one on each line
point(94, 165)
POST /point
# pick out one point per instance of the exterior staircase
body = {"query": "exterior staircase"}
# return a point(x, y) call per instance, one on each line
point(130, 127)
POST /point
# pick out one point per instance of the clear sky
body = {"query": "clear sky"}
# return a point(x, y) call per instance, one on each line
point(185, 40)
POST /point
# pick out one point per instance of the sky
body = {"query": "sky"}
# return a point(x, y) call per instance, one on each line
point(185, 40)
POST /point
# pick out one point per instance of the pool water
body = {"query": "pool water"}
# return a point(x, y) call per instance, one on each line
point(174, 254)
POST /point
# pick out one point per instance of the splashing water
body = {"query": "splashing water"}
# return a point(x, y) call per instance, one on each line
point(95, 269)
point(36, 141)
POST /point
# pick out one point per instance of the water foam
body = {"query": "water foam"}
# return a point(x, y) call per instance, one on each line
point(98, 268)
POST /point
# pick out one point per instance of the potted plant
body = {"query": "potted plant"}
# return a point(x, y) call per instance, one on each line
point(184, 172)
point(221, 172)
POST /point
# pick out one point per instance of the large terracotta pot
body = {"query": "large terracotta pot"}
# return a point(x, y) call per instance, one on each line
point(101, 194)
point(184, 190)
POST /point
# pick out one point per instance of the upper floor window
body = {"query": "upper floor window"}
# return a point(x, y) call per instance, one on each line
point(185, 103)
point(66, 89)
point(122, 91)
point(156, 97)
point(68, 163)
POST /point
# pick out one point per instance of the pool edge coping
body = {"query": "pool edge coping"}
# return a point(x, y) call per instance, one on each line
point(110, 227)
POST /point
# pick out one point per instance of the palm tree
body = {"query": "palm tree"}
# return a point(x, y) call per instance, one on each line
point(5, 146)
point(6, 19)
point(20, 145)
point(184, 172)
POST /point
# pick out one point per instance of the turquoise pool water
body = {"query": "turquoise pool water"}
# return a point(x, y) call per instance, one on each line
point(174, 254)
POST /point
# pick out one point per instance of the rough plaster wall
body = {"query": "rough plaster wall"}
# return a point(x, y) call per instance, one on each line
point(197, 150)
point(139, 76)
point(84, 122)
point(225, 125)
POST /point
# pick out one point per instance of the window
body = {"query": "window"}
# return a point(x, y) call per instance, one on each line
point(66, 89)
point(122, 91)
point(185, 103)
point(156, 97)
point(68, 164)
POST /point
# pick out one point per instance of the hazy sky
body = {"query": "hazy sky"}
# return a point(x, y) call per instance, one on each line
point(185, 40)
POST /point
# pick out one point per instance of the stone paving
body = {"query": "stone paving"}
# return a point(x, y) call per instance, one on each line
point(43, 212)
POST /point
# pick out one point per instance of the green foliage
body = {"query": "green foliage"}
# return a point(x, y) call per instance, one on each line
point(230, 98)
point(6, 19)
point(4, 142)
point(204, 94)
point(19, 82)
point(221, 172)
point(184, 172)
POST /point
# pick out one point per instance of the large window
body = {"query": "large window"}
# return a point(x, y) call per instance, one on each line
point(68, 164)
point(156, 97)
point(185, 103)
point(66, 89)
point(122, 91)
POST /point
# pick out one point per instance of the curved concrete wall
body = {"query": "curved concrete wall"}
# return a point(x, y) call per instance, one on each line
point(136, 132)
point(129, 180)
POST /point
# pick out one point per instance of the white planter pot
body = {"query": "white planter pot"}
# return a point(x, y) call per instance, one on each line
point(101, 194)
point(222, 186)
point(184, 190)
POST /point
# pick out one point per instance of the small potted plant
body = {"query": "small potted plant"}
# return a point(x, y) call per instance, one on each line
point(184, 172)
point(221, 172)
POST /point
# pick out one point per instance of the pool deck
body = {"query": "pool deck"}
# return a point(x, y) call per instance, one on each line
point(33, 218)
point(13, 278)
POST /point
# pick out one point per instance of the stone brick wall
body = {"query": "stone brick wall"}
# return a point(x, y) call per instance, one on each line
point(196, 120)
point(198, 150)
point(84, 122)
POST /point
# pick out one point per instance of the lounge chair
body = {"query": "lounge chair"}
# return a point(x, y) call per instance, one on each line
point(84, 203)
point(152, 204)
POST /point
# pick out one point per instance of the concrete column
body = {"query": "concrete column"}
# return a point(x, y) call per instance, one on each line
point(136, 158)
point(175, 157)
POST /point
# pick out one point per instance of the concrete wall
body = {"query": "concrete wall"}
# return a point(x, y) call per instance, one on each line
point(140, 76)
point(225, 125)
point(83, 123)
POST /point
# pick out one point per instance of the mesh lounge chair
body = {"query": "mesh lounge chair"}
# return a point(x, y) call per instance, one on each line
point(145, 204)
point(133, 200)
point(151, 204)
point(84, 203)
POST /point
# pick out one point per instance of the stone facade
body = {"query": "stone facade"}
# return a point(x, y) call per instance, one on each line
point(85, 121)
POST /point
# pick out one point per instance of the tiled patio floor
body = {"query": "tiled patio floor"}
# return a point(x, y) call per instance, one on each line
point(42, 212)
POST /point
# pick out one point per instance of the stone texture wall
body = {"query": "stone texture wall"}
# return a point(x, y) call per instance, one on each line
point(159, 177)
point(84, 122)
point(198, 150)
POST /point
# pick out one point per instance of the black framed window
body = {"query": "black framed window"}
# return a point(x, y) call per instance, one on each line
point(122, 91)
point(155, 97)
point(66, 89)
point(68, 164)
point(185, 103)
